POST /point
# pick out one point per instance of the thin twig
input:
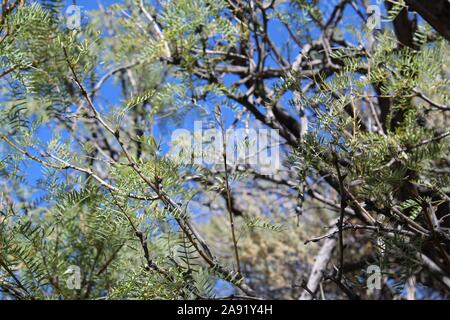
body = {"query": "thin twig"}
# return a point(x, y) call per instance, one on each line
point(431, 102)
point(228, 190)
point(342, 214)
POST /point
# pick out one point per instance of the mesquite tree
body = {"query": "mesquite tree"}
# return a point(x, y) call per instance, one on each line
point(99, 199)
